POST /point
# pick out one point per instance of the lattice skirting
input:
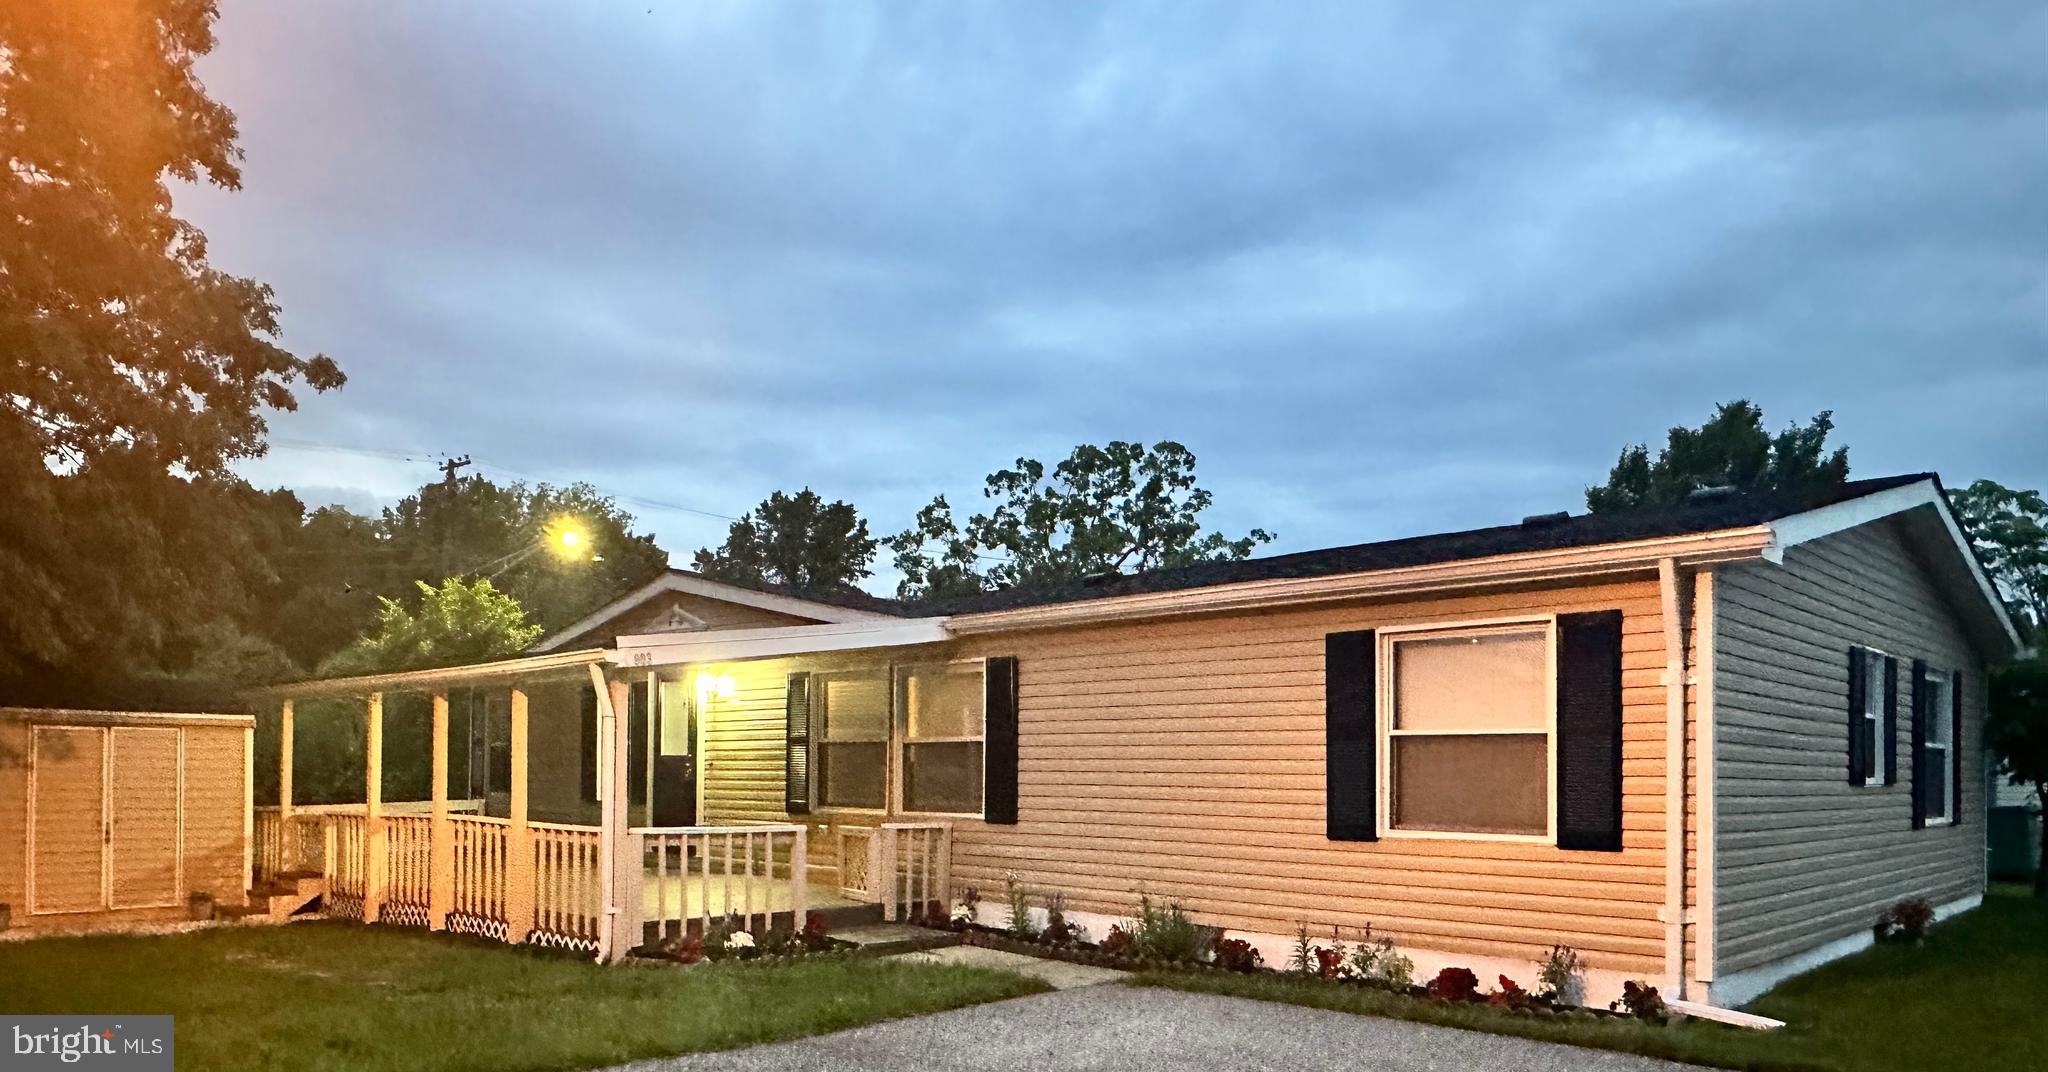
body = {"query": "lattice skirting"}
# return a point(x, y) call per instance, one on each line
point(343, 906)
point(481, 926)
point(558, 940)
point(406, 915)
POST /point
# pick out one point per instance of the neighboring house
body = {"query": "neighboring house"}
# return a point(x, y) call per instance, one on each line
point(1703, 746)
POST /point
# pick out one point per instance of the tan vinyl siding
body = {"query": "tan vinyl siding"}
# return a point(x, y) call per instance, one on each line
point(1802, 857)
point(1185, 758)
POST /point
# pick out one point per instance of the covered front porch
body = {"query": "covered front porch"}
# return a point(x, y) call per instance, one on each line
point(521, 801)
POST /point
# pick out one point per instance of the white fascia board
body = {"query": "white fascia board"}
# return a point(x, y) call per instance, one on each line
point(692, 584)
point(1790, 532)
point(732, 645)
point(1692, 549)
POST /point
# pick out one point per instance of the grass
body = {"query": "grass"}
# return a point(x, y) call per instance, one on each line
point(1971, 998)
point(321, 996)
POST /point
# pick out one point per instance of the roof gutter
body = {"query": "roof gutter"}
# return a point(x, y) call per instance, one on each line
point(1636, 556)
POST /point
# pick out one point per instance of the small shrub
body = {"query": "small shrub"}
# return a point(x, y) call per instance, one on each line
point(1562, 978)
point(1119, 944)
point(1454, 985)
point(1234, 955)
point(1018, 901)
point(1328, 962)
point(1906, 921)
point(815, 939)
point(1058, 932)
point(1639, 1000)
point(1394, 971)
point(1511, 996)
point(1167, 933)
point(1303, 961)
point(689, 949)
point(780, 941)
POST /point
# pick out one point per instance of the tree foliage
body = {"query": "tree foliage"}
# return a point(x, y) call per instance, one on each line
point(798, 540)
point(2009, 530)
point(1104, 509)
point(1730, 450)
point(117, 333)
point(2017, 732)
point(460, 622)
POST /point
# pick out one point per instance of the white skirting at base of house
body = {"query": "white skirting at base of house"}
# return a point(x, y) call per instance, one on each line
point(1277, 951)
point(1740, 988)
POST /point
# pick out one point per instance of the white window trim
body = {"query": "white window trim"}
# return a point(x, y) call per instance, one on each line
point(1874, 667)
point(820, 743)
point(899, 733)
point(1942, 717)
point(892, 786)
point(1384, 642)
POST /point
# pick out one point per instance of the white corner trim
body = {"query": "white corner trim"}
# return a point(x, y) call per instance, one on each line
point(1790, 532)
point(731, 645)
point(1741, 988)
point(698, 585)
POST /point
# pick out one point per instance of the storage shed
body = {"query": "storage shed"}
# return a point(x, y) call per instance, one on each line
point(121, 817)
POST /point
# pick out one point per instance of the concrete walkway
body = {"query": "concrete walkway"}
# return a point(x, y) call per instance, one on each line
point(1115, 1028)
point(1059, 974)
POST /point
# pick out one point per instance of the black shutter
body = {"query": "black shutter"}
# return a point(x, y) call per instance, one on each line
point(587, 713)
point(796, 751)
point(999, 745)
point(1919, 743)
point(1858, 686)
point(1891, 721)
point(1350, 769)
point(1589, 731)
point(1955, 746)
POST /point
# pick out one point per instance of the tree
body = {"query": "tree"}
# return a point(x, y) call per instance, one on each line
point(2009, 530)
point(117, 331)
point(457, 623)
point(2017, 732)
point(1730, 450)
point(473, 527)
point(798, 540)
point(1103, 510)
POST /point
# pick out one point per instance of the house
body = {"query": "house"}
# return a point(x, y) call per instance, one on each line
point(1703, 746)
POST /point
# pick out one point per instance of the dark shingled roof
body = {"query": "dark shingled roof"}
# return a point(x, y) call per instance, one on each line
point(1583, 530)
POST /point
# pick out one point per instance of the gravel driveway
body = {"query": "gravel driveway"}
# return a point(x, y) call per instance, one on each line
point(1118, 1027)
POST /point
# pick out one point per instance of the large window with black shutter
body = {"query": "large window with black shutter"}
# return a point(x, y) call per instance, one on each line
point(1466, 743)
point(1873, 717)
point(1937, 749)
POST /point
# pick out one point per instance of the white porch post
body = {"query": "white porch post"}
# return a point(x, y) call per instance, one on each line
point(440, 832)
point(374, 861)
point(519, 863)
point(617, 873)
point(284, 766)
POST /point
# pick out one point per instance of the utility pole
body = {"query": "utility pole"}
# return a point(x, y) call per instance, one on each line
point(449, 467)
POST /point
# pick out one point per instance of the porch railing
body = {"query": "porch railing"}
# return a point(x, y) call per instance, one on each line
point(566, 899)
point(703, 873)
point(910, 868)
point(481, 864)
point(408, 870)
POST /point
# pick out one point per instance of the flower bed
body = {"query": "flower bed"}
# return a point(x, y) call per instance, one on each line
point(729, 939)
point(1162, 938)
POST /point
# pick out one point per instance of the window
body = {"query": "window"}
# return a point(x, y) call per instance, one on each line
point(1940, 729)
point(1468, 741)
point(1875, 666)
point(852, 713)
point(941, 727)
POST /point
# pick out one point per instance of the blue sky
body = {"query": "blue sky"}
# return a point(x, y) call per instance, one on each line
point(1386, 268)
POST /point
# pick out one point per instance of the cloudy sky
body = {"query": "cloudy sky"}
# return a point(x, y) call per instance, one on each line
point(1386, 268)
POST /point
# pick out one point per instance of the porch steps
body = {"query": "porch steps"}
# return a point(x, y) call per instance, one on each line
point(280, 898)
point(885, 939)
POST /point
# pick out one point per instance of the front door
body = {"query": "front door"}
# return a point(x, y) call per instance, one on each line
point(675, 759)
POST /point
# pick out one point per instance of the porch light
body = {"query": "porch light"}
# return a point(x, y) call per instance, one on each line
point(713, 687)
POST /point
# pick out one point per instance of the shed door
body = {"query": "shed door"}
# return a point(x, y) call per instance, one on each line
point(142, 841)
point(68, 872)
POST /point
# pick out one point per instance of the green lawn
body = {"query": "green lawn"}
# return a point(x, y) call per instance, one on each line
point(1974, 997)
point(344, 996)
